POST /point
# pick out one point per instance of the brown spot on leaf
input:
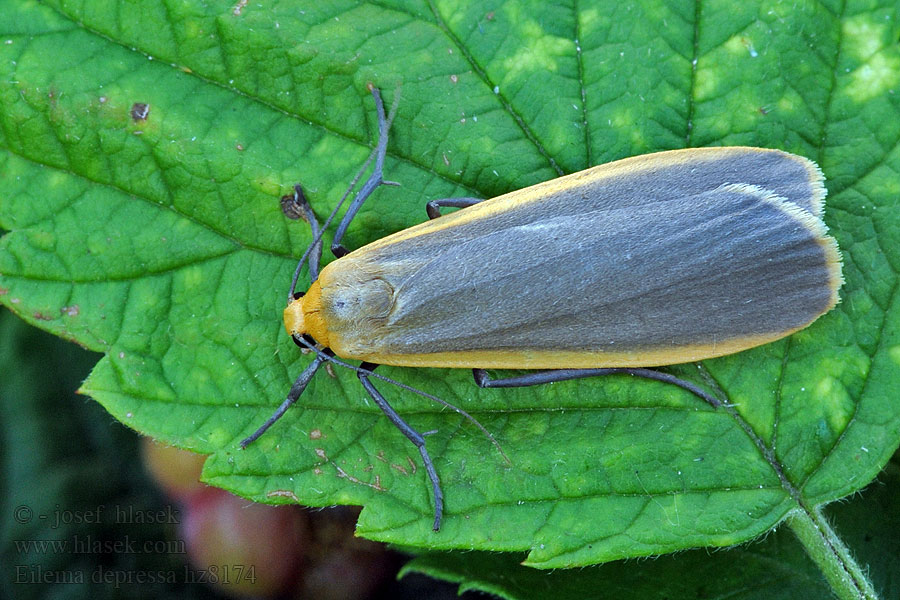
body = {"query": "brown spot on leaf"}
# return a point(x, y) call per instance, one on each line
point(140, 111)
point(283, 494)
point(41, 316)
point(320, 452)
point(290, 205)
point(316, 434)
point(71, 311)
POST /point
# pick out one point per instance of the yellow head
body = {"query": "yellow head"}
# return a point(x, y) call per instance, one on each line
point(303, 316)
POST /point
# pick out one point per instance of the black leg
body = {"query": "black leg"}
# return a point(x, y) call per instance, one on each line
point(414, 436)
point(296, 390)
point(482, 379)
point(374, 180)
point(433, 208)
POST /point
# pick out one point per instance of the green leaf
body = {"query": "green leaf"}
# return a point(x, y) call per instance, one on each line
point(160, 243)
point(776, 568)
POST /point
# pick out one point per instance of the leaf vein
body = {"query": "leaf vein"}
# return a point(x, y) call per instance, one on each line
point(482, 74)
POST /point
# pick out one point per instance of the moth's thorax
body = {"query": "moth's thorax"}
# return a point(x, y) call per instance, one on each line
point(345, 303)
